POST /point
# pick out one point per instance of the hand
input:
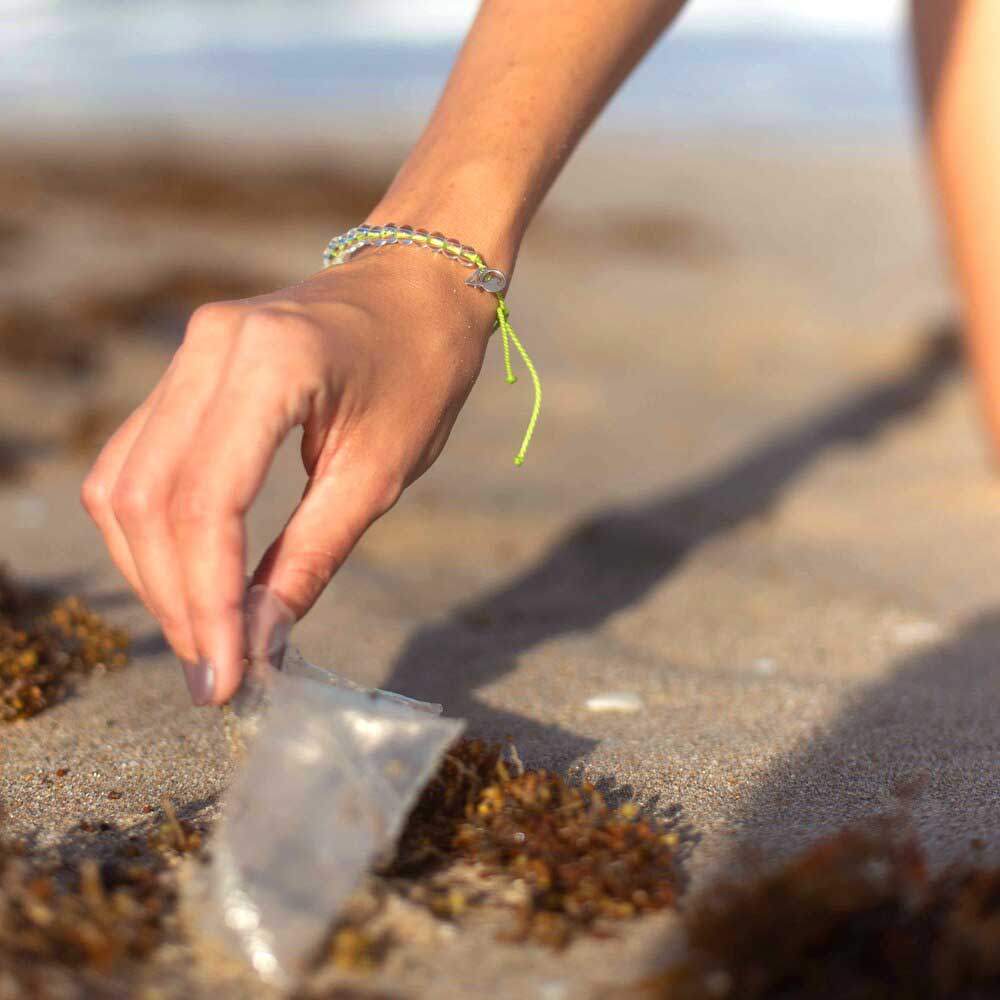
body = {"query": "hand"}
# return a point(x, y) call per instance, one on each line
point(373, 359)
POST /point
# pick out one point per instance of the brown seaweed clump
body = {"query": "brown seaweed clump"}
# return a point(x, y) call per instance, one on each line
point(578, 860)
point(90, 915)
point(81, 927)
point(154, 183)
point(46, 643)
point(12, 464)
point(856, 917)
point(37, 337)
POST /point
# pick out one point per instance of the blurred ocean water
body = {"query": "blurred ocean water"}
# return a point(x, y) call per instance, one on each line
point(840, 71)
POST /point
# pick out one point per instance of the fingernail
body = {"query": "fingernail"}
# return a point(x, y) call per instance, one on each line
point(268, 624)
point(200, 679)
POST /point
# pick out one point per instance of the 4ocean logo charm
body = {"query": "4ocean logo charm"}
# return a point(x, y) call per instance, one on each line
point(488, 278)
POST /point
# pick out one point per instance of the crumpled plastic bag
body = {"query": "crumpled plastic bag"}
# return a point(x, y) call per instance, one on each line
point(330, 773)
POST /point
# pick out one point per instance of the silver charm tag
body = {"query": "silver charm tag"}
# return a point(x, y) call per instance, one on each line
point(489, 279)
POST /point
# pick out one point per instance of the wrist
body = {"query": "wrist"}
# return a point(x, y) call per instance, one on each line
point(466, 203)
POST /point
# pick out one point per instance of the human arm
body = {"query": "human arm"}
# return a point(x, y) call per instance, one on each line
point(373, 360)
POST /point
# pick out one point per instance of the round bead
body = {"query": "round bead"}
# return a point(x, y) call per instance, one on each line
point(390, 233)
point(436, 242)
point(465, 256)
point(405, 235)
point(452, 248)
point(420, 237)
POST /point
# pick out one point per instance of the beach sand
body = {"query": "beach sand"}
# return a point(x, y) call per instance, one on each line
point(759, 500)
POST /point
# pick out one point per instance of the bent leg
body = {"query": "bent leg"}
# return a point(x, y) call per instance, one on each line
point(958, 69)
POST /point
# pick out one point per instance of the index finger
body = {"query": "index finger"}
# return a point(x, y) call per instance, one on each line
point(220, 477)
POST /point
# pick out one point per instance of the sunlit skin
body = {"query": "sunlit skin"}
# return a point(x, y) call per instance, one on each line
point(957, 43)
point(374, 360)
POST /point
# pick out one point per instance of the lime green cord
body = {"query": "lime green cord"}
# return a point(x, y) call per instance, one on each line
point(507, 334)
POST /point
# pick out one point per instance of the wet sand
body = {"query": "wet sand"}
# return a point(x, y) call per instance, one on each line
point(758, 500)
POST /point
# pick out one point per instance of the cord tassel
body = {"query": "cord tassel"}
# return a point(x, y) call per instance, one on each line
point(508, 335)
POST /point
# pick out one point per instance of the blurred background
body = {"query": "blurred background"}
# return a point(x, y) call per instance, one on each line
point(162, 154)
point(748, 64)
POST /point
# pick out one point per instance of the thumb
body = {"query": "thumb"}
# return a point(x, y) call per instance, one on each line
point(334, 513)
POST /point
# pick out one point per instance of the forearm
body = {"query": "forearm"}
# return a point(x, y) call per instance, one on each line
point(531, 77)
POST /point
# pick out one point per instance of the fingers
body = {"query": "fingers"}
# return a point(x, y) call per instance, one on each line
point(146, 482)
point(171, 490)
point(223, 470)
point(96, 493)
point(335, 512)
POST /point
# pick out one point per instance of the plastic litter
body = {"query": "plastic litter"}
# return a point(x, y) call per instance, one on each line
point(331, 771)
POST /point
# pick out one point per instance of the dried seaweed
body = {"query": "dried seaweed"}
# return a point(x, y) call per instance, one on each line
point(46, 642)
point(12, 464)
point(39, 337)
point(154, 183)
point(855, 916)
point(79, 921)
point(13, 235)
point(68, 339)
point(578, 860)
point(165, 302)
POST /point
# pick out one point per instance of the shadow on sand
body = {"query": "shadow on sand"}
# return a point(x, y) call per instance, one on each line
point(613, 558)
point(924, 742)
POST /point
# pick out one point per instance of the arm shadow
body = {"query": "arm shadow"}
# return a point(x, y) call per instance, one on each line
point(922, 745)
point(614, 557)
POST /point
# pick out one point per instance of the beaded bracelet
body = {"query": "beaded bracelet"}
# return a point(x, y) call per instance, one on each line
point(341, 248)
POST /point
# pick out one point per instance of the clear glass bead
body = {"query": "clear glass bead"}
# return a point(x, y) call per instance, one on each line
point(390, 232)
point(436, 242)
point(452, 248)
point(420, 237)
point(465, 256)
point(404, 234)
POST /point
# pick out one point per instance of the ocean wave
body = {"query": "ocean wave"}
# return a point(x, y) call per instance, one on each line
point(184, 25)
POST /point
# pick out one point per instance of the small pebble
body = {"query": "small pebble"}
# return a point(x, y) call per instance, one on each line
point(554, 989)
point(917, 633)
point(615, 701)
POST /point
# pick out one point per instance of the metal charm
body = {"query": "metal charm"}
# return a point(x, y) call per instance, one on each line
point(489, 279)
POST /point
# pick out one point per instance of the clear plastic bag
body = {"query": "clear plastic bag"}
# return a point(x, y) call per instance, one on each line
point(330, 774)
